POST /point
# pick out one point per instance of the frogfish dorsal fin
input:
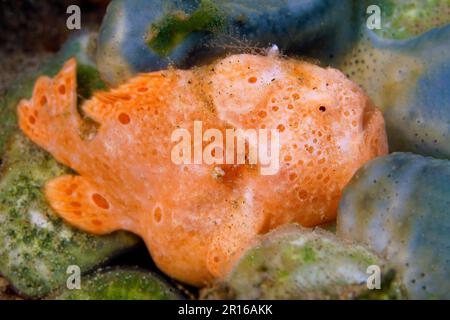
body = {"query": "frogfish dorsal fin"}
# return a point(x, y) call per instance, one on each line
point(138, 92)
point(50, 118)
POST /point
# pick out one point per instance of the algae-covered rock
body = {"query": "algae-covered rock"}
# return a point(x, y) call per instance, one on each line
point(119, 284)
point(36, 247)
point(400, 206)
point(409, 81)
point(147, 35)
point(297, 263)
point(403, 19)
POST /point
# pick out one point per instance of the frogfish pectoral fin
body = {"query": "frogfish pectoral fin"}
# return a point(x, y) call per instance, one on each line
point(81, 205)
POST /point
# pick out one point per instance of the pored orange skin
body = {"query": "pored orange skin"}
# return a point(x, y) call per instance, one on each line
point(194, 222)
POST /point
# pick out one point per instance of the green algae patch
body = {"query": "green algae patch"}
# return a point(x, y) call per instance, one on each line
point(88, 81)
point(173, 28)
point(119, 284)
point(403, 19)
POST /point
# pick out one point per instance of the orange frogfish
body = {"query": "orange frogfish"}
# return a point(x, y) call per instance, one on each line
point(196, 219)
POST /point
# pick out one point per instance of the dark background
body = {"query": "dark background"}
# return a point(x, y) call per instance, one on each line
point(32, 30)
